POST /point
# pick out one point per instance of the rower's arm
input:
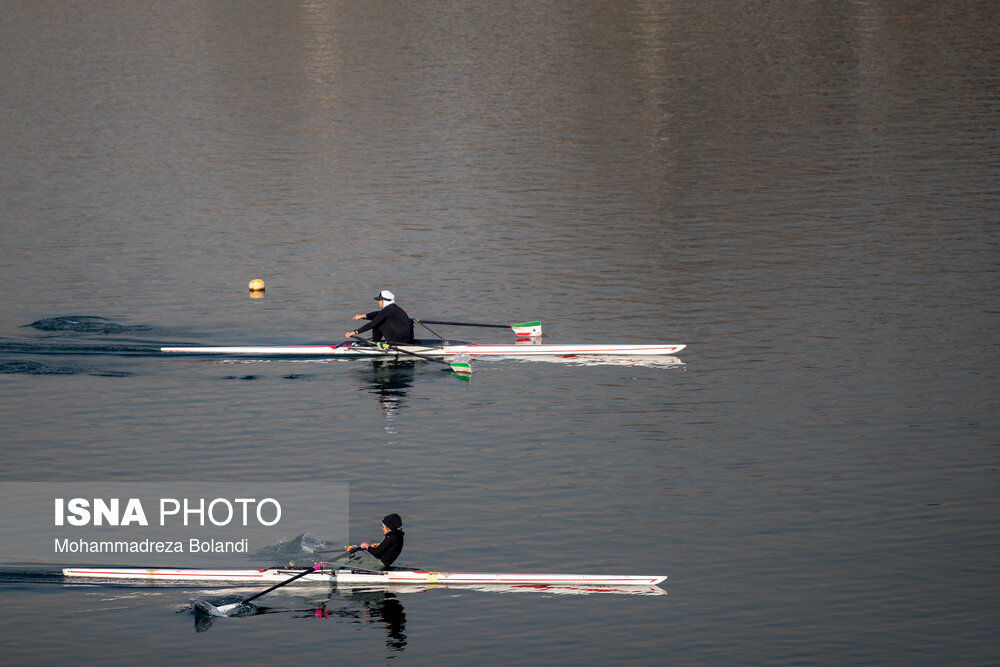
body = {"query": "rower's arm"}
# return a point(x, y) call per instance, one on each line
point(374, 319)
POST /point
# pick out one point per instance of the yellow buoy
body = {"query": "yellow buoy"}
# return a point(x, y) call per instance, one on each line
point(256, 285)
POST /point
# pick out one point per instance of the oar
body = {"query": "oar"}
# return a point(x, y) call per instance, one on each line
point(461, 367)
point(226, 609)
point(207, 607)
point(521, 328)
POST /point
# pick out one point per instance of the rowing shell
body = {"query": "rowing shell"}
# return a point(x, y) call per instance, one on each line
point(552, 589)
point(390, 577)
point(474, 350)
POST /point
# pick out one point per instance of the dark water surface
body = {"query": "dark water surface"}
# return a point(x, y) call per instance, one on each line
point(803, 193)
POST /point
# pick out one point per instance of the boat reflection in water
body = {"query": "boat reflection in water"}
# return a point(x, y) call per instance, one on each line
point(382, 604)
point(389, 382)
point(371, 605)
point(368, 606)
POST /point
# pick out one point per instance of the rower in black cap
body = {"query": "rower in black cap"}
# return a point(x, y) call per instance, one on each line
point(380, 555)
point(389, 323)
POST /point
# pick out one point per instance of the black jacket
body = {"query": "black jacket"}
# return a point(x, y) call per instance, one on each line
point(389, 548)
point(390, 324)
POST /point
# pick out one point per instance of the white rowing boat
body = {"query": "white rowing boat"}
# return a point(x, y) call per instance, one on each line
point(341, 588)
point(548, 589)
point(442, 351)
point(352, 577)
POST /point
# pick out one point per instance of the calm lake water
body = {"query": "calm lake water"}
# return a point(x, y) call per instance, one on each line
point(803, 193)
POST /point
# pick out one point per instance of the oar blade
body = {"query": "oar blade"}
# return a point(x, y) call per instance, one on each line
point(527, 329)
point(207, 608)
point(461, 365)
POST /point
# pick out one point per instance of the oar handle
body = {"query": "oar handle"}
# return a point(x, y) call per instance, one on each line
point(345, 552)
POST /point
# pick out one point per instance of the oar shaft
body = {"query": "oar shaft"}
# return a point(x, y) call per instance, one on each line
point(283, 583)
point(400, 351)
point(301, 574)
point(465, 324)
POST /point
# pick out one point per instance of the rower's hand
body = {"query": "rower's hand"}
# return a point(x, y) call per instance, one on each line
point(350, 333)
point(365, 545)
point(358, 317)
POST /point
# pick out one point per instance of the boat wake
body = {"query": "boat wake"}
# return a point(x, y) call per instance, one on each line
point(72, 339)
point(26, 367)
point(13, 576)
point(85, 324)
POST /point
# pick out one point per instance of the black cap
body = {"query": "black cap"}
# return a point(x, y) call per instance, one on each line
point(392, 521)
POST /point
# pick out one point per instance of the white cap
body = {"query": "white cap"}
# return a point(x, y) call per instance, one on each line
point(385, 295)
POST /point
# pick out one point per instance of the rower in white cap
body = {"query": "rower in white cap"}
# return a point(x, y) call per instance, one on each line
point(389, 323)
